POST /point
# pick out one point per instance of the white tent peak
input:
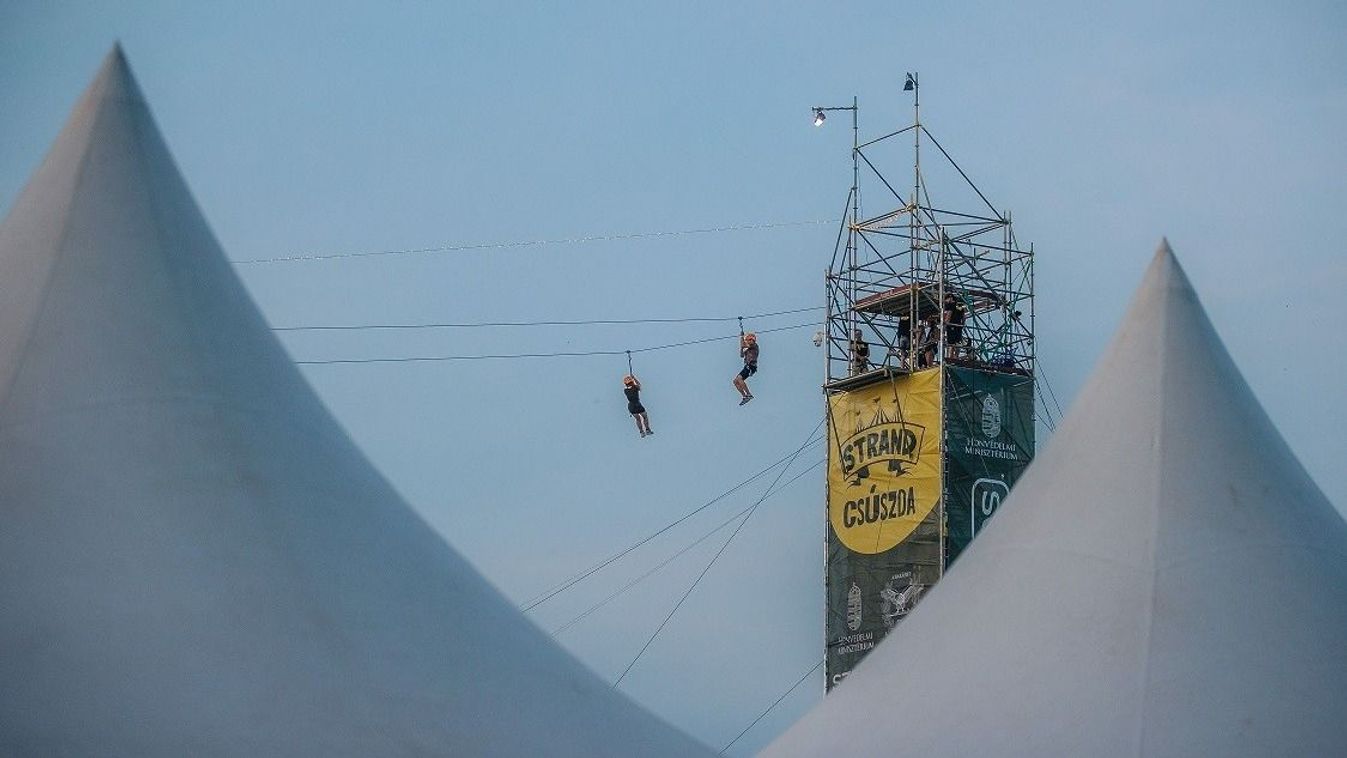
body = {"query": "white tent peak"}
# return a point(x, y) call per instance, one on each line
point(194, 558)
point(1164, 579)
point(114, 81)
point(116, 77)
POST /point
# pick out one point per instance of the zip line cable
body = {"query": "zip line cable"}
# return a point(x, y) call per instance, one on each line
point(478, 324)
point(574, 580)
point(566, 354)
point(676, 555)
point(533, 243)
point(763, 715)
point(715, 558)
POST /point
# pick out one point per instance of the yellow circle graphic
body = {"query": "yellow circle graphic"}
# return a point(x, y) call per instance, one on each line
point(883, 465)
point(873, 517)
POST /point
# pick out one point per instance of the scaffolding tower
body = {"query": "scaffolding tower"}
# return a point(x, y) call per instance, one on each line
point(929, 384)
point(891, 270)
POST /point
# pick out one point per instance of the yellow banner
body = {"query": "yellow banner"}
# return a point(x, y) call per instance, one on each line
point(883, 460)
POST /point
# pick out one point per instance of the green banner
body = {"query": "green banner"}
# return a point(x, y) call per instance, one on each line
point(989, 440)
point(869, 594)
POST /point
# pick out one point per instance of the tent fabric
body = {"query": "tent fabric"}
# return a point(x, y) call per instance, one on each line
point(1164, 580)
point(194, 557)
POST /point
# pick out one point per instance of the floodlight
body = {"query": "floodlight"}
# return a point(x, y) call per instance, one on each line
point(819, 118)
point(909, 84)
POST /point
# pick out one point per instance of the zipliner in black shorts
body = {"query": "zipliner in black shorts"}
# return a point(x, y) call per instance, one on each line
point(633, 400)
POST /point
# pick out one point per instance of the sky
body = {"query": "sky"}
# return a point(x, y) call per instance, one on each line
point(323, 128)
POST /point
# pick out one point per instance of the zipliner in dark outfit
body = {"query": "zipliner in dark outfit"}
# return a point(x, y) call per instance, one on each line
point(632, 389)
point(748, 349)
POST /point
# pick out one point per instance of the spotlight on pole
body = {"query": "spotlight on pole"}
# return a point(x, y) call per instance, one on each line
point(819, 118)
point(909, 84)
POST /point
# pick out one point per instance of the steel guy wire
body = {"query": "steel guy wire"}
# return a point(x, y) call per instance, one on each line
point(763, 715)
point(586, 322)
point(581, 576)
point(677, 555)
point(1043, 371)
point(565, 354)
point(531, 243)
point(714, 558)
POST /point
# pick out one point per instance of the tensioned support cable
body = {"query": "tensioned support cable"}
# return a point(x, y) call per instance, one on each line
point(565, 354)
point(583, 322)
point(531, 243)
point(714, 558)
point(683, 551)
point(592, 570)
point(1044, 373)
point(763, 715)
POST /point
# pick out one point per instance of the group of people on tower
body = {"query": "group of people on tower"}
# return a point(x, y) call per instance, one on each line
point(927, 335)
point(748, 350)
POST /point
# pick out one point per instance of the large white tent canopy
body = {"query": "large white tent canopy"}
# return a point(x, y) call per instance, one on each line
point(1165, 580)
point(194, 558)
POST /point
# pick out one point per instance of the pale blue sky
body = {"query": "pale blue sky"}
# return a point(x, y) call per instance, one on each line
point(334, 127)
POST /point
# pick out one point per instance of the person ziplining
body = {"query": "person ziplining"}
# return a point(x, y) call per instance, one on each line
point(748, 350)
point(632, 389)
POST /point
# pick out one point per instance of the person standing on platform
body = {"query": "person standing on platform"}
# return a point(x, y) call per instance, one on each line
point(632, 388)
point(860, 353)
point(955, 315)
point(748, 350)
point(902, 346)
point(930, 342)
